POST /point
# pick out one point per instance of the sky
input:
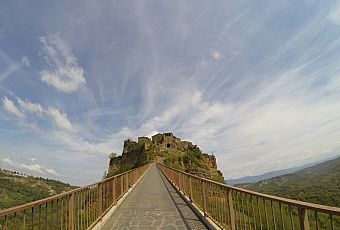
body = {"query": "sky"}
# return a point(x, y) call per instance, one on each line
point(256, 83)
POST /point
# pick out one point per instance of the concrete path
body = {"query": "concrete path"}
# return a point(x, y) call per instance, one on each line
point(153, 204)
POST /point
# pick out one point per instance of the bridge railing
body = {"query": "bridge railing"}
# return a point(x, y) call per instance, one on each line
point(77, 209)
point(236, 208)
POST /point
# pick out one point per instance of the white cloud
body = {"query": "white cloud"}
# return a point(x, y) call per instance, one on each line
point(65, 74)
point(10, 107)
point(34, 167)
point(25, 61)
point(334, 14)
point(201, 64)
point(30, 107)
point(217, 55)
point(60, 119)
point(7, 161)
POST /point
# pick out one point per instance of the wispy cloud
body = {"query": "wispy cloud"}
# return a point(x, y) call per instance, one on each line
point(10, 107)
point(64, 74)
point(60, 119)
point(334, 13)
point(25, 61)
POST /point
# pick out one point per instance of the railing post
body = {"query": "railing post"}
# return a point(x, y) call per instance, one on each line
point(204, 198)
point(190, 188)
point(231, 210)
point(100, 197)
point(70, 212)
point(303, 218)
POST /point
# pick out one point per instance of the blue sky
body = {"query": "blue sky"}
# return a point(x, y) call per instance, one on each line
point(257, 83)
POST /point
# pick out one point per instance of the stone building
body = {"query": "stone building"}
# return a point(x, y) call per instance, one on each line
point(169, 141)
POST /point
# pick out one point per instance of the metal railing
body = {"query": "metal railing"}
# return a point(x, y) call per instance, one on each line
point(235, 208)
point(77, 209)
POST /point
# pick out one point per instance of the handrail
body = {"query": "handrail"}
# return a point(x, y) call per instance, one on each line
point(77, 209)
point(226, 205)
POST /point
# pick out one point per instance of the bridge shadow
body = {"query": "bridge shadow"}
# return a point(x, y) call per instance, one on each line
point(191, 220)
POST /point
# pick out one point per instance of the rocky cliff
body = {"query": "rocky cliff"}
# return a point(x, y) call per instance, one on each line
point(167, 149)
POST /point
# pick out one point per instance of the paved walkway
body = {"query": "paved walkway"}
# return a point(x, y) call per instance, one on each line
point(153, 204)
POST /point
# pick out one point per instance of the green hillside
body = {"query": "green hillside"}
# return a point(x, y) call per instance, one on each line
point(317, 184)
point(17, 189)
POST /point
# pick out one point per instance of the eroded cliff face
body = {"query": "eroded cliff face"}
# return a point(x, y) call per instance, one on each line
point(167, 149)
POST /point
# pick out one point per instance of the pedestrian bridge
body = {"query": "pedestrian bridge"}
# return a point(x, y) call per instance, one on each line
point(158, 197)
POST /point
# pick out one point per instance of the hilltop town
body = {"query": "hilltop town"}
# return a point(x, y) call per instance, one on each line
point(167, 149)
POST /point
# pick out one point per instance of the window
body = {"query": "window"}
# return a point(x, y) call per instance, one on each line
point(168, 145)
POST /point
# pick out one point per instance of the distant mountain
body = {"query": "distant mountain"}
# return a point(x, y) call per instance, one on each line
point(271, 174)
point(17, 189)
point(318, 184)
point(264, 176)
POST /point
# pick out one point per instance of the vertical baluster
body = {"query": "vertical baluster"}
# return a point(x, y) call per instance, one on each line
point(259, 212)
point(87, 207)
point(121, 185)
point(190, 188)
point(15, 220)
point(220, 204)
point(57, 216)
point(71, 211)
point(281, 215)
point(316, 220)
point(100, 190)
point(5, 223)
point(248, 211)
point(24, 220)
point(237, 210)
point(253, 210)
point(93, 205)
point(90, 205)
point(62, 213)
point(32, 218)
point(39, 218)
point(266, 214)
point(113, 191)
point(78, 210)
point(81, 209)
point(303, 218)
point(204, 198)
point(46, 215)
point(273, 214)
point(291, 217)
point(331, 221)
point(243, 215)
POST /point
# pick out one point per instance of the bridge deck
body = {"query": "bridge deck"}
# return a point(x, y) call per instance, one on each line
point(154, 204)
